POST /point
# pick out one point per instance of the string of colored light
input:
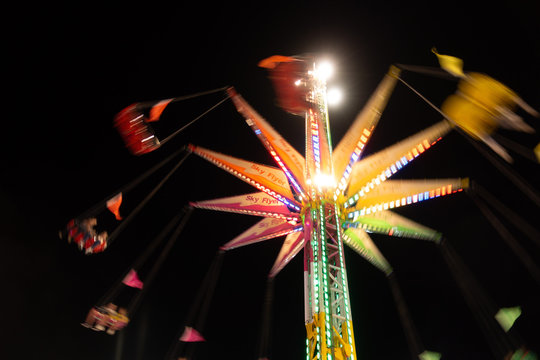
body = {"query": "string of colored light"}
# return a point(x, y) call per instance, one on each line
point(405, 200)
point(324, 259)
point(354, 158)
point(391, 170)
point(249, 180)
point(315, 141)
point(276, 157)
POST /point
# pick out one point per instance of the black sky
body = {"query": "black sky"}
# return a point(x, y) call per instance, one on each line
point(72, 67)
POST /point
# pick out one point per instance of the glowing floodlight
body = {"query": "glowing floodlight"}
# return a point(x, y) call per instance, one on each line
point(324, 70)
point(324, 181)
point(334, 96)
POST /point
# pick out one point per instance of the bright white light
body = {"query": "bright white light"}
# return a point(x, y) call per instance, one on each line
point(324, 181)
point(334, 96)
point(298, 82)
point(324, 70)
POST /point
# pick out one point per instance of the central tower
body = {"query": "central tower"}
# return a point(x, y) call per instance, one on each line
point(326, 293)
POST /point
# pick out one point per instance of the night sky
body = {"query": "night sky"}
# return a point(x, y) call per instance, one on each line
point(72, 67)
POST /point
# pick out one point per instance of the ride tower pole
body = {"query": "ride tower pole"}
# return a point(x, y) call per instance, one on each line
point(326, 293)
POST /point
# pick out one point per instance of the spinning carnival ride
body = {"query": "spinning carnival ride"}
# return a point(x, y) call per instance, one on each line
point(329, 197)
point(303, 200)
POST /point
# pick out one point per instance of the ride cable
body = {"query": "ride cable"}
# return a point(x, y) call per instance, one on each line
point(427, 70)
point(148, 197)
point(509, 214)
point(525, 152)
point(100, 206)
point(264, 341)
point(179, 221)
point(197, 314)
point(413, 339)
point(168, 138)
point(521, 183)
point(507, 236)
point(162, 256)
point(151, 104)
point(506, 170)
point(481, 306)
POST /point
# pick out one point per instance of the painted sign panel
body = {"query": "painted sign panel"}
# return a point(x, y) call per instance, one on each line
point(265, 229)
point(286, 156)
point(265, 178)
point(259, 204)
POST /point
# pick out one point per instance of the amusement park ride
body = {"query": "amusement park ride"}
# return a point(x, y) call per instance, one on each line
point(335, 196)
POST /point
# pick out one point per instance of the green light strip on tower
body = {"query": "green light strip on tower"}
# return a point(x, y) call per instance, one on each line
point(314, 244)
point(344, 279)
point(324, 259)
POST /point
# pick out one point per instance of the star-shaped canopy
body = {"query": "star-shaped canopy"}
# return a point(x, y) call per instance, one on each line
point(360, 187)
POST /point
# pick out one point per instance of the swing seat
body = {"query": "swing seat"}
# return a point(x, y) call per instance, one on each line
point(95, 319)
point(98, 243)
point(104, 318)
point(287, 77)
point(99, 248)
point(137, 134)
point(87, 241)
point(82, 238)
point(117, 321)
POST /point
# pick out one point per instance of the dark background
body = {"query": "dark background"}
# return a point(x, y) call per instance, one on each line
point(72, 67)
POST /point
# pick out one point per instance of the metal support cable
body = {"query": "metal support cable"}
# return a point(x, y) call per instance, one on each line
point(428, 70)
point(516, 147)
point(481, 307)
point(148, 104)
point(413, 339)
point(198, 311)
point(193, 121)
point(126, 188)
point(209, 287)
point(264, 341)
point(139, 207)
point(521, 183)
point(509, 214)
point(509, 239)
point(525, 187)
point(157, 265)
point(118, 285)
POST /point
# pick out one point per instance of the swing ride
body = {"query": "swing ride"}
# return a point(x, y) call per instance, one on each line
point(320, 201)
